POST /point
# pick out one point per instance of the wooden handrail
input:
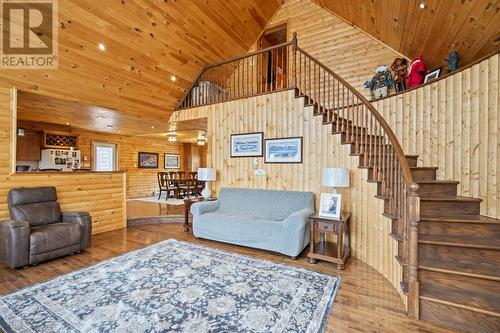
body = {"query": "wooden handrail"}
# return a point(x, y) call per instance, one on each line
point(394, 141)
point(248, 55)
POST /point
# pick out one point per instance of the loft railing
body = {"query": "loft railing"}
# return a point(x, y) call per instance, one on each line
point(287, 66)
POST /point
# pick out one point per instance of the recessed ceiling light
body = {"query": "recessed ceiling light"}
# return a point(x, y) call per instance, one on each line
point(67, 123)
point(173, 78)
point(100, 117)
point(152, 127)
point(422, 5)
point(101, 46)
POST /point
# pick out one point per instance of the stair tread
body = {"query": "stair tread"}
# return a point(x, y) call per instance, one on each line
point(458, 305)
point(454, 268)
point(451, 198)
point(461, 219)
point(461, 241)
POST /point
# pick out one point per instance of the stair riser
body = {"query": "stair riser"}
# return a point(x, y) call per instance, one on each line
point(434, 190)
point(479, 293)
point(447, 208)
point(423, 174)
point(458, 318)
point(490, 231)
point(478, 261)
point(412, 162)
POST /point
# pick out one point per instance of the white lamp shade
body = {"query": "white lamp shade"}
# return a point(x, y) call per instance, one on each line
point(207, 174)
point(335, 177)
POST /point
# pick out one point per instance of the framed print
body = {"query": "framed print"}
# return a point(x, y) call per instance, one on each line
point(286, 150)
point(432, 75)
point(148, 160)
point(330, 205)
point(172, 161)
point(247, 145)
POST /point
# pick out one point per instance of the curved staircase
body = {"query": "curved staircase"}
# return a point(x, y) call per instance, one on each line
point(449, 253)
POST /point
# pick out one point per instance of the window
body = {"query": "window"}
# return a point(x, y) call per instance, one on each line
point(105, 157)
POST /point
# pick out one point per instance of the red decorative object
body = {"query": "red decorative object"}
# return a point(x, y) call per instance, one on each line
point(416, 73)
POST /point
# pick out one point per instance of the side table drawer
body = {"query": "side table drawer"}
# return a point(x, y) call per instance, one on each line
point(326, 227)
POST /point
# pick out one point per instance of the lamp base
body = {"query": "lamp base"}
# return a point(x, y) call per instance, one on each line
point(206, 193)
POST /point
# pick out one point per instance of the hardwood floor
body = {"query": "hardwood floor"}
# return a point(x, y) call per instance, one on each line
point(141, 209)
point(365, 302)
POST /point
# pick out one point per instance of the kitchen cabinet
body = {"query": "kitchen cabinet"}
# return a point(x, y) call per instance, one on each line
point(29, 146)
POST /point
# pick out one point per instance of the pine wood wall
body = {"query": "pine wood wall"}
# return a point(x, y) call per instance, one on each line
point(282, 115)
point(350, 52)
point(101, 194)
point(454, 124)
point(140, 182)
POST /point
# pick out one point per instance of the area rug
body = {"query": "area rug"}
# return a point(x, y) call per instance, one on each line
point(162, 200)
point(175, 286)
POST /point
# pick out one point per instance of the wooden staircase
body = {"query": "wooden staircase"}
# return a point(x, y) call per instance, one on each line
point(450, 255)
point(458, 249)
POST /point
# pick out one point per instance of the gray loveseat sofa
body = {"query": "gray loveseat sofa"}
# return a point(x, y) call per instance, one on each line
point(264, 219)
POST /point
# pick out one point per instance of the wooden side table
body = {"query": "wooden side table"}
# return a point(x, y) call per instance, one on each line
point(320, 249)
point(187, 207)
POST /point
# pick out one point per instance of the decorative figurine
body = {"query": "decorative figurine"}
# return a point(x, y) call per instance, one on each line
point(416, 73)
point(380, 83)
point(453, 61)
point(399, 67)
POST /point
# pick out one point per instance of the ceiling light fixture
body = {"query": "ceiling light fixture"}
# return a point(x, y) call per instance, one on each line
point(172, 138)
point(101, 46)
point(422, 5)
point(67, 123)
point(201, 142)
point(100, 117)
point(173, 78)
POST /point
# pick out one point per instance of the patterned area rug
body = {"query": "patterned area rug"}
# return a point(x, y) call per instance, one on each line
point(175, 286)
point(162, 200)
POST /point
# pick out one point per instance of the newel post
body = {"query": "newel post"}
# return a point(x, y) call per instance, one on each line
point(294, 50)
point(413, 285)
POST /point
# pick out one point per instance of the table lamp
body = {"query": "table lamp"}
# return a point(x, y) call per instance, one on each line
point(207, 175)
point(335, 177)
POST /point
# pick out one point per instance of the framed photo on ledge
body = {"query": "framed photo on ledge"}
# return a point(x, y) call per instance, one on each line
point(172, 161)
point(247, 144)
point(433, 75)
point(148, 160)
point(285, 150)
point(330, 205)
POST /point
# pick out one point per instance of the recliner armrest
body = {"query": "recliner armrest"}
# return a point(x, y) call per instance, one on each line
point(14, 243)
point(200, 208)
point(85, 220)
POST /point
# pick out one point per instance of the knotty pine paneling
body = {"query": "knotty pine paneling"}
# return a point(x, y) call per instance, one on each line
point(101, 194)
point(282, 115)
point(348, 51)
point(454, 124)
point(140, 182)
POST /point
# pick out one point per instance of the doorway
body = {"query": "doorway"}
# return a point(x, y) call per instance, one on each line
point(273, 66)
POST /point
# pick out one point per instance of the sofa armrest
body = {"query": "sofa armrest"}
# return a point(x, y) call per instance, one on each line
point(15, 243)
point(85, 221)
point(200, 208)
point(299, 218)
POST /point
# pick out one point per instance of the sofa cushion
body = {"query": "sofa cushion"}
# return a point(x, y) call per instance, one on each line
point(237, 228)
point(263, 204)
point(54, 236)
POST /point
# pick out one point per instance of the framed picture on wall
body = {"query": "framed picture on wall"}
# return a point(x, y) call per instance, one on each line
point(330, 204)
point(247, 144)
point(286, 150)
point(433, 75)
point(172, 161)
point(148, 160)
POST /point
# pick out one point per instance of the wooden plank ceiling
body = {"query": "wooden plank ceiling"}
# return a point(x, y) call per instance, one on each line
point(147, 42)
point(46, 109)
point(470, 27)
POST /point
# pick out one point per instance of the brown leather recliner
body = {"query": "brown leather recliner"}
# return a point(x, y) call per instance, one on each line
point(38, 230)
